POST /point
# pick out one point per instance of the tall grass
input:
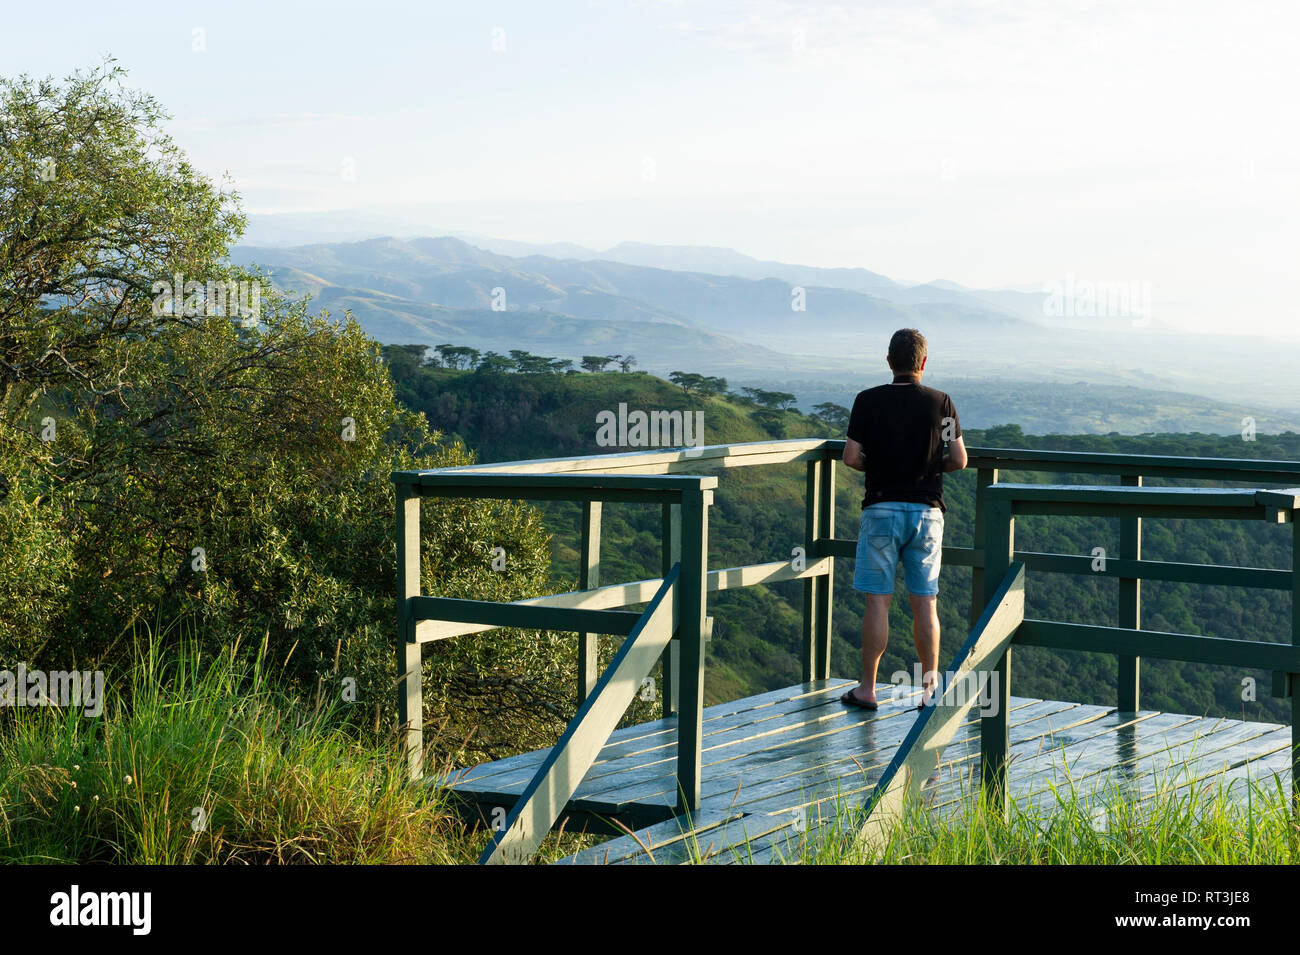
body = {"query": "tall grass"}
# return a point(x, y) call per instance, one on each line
point(1174, 825)
point(207, 761)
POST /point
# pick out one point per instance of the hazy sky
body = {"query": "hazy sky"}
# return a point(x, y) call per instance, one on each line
point(989, 143)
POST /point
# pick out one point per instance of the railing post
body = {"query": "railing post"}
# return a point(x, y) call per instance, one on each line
point(1293, 681)
point(1130, 604)
point(410, 690)
point(999, 551)
point(983, 478)
point(825, 592)
point(691, 627)
point(672, 658)
point(588, 577)
point(812, 515)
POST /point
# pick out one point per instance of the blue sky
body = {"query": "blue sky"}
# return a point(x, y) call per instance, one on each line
point(989, 143)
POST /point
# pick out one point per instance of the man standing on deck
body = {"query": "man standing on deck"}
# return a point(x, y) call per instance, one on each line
point(897, 436)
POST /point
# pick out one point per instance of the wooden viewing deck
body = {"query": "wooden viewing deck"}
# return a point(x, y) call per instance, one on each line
point(771, 770)
point(778, 765)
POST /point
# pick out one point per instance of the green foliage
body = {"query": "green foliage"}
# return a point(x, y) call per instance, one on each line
point(96, 203)
point(162, 461)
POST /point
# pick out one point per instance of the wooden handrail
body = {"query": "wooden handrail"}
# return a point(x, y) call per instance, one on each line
point(559, 776)
point(917, 758)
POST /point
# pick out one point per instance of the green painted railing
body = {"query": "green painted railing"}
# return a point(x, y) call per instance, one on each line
point(672, 479)
point(1005, 502)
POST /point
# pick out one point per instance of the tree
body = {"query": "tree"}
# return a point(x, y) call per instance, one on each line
point(713, 386)
point(402, 359)
point(625, 362)
point(492, 362)
point(459, 356)
point(689, 382)
point(195, 469)
point(530, 364)
point(836, 416)
point(782, 400)
point(97, 205)
point(594, 363)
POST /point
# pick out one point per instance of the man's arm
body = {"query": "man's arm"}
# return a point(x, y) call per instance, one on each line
point(855, 456)
point(954, 459)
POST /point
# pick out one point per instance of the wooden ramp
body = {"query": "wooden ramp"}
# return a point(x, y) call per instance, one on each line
point(778, 765)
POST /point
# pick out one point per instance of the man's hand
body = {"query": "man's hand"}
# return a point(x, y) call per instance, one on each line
point(855, 456)
point(955, 458)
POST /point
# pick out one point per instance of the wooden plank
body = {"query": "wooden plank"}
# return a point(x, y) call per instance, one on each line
point(1249, 752)
point(627, 595)
point(742, 454)
point(805, 449)
point(1282, 499)
point(545, 797)
point(536, 616)
point(1190, 647)
point(1212, 574)
point(670, 553)
point(919, 755)
point(812, 531)
point(984, 478)
point(1187, 764)
point(693, 610)
point(999, 550)
point(1045, 760)
point(1130, 605)
point(410, 668)
point(1267, 770)
point(825, 588)
point(1048, 563)
point(601, 598)
point(1152, 465)
point(661, 486)
point(1292, 683)
point(1143, 754)
point(1154, 497)
point(589, 578)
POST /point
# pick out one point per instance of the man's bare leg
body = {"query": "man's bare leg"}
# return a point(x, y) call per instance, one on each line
point(875, 637)
point(925, 634)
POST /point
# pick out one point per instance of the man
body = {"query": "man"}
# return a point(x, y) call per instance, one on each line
point(896, 436)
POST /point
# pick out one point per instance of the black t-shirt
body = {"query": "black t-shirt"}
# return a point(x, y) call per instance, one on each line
point(902, 429)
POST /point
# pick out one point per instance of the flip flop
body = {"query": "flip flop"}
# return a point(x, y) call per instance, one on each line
point(852, 700)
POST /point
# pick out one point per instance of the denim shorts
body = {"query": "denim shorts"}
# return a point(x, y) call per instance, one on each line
point(893, 528)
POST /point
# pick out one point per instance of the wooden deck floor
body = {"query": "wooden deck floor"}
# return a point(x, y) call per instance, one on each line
point(776, 765)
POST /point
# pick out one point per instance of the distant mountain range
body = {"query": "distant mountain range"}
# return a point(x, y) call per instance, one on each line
point(717, 311)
